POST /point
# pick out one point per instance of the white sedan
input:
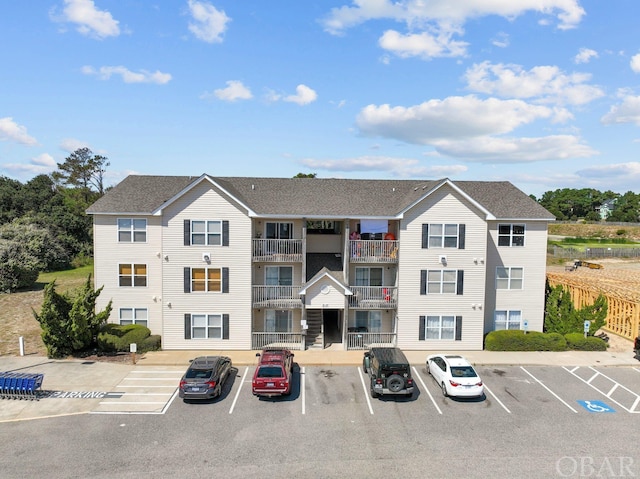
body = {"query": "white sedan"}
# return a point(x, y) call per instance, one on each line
point(455, 375)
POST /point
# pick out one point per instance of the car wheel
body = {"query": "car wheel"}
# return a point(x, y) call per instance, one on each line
point(395, 383)
point(428, 368)
point(364, 368)
point(444, 390)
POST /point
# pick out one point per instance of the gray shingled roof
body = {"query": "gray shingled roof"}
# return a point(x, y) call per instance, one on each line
point(316, 197)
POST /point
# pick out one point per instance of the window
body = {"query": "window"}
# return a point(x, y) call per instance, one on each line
point(507, 319)
point(206, 279)
point(510, 235)
point(279, 275)
point(440, 327)
point(206, 233)
point(442, 281)
point(278, 321)
point(508, 278)
point(368, 277)
point(443, 236)
point(132, 274)
point(206, 326)
point(372, 320)
point(132, 230)
point(279, 231)
point(134, 316)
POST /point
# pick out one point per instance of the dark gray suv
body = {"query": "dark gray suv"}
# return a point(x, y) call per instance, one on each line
point(389, 372)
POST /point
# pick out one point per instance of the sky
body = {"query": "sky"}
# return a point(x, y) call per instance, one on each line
point(542, 93)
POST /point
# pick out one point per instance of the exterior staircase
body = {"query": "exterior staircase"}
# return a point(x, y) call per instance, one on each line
point(314, 332)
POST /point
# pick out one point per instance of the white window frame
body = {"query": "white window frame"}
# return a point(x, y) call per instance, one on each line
point(514, 239)
point(442, 327)
point(136, 229)
point(206, 326)
point(211, 232)
point(133, 316)
point(206, 281)
point(133, 276)
point(272, 320)
point(371, 319)
point(446, 281)
point(510, 321)
point(445, 237)
point(509, 278)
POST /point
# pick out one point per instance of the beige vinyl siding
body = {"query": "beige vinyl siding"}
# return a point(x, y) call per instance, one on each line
point(444, 206)
point(109, 253)
point(325, 295)
point(530, 257)
point(203, 202)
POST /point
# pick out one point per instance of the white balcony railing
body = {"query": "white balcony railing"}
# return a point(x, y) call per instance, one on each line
point(277, 297)
point(368, 340)
point(264, 340)
point(367, 297)
point(373, 251)
point(277, 250)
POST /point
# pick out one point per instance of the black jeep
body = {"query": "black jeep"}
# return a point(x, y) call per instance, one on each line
point(389, 372)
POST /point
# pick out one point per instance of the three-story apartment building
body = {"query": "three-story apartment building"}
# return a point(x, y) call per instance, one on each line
point(242, 263)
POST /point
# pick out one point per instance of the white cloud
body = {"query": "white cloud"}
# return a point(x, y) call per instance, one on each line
point(10, 130)
point(501, 40)
point(425, 45)
point(544, 84)
point(585, 55)
point(41, 164)
point(397, 167)
point(89, 19)
point(143, 76)
point(71, 144)
point(304, 95)
point(235, 90)
point(209, 24)
point(624, 171)
point(635, 63)
point(626, 112)
point(500, 150)
point(432, 24)
point(452, 118)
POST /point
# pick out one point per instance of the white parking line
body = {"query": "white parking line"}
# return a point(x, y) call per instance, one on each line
point(496, 398)
point(366, 392)
point(424, 386)
point(616, 385)
point(554, 394)
point(235, 399)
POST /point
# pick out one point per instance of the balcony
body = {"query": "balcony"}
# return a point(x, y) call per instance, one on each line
point(373, 251)
point(283, 297)
point(373, 297)
point(271, 340)
point(365, 340)
point(277, 250)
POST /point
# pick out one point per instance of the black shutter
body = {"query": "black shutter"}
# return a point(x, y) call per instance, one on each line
point(225, 280)
point(421, 328)
point(225, 326)
point(225, 233)
point(187, 279)
point(425, 236)
point(460, 284)
point(187, 232)
point(458, 328)
point(423, 281)
point(187, 326)
point(461, 231)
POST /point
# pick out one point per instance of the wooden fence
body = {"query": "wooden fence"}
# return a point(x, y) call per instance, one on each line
point(623, 313)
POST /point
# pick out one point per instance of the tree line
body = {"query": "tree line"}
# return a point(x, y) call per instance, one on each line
point(43, 224)
point(570, 204)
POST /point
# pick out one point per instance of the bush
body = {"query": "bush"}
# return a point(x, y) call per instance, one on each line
point(578, 342)
point(517, 340)
point(152, 343)
point(117, 338)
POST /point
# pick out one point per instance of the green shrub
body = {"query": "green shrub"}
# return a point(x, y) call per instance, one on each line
point(114, 337)
point(152, 343)
point(578, 342)
point(517, 340)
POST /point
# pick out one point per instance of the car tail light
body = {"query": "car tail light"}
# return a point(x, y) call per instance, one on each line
point(479, 384)
point(182, 383)
point(409, 382)
point(211, 384)
point(378, 381)
point(454, 384)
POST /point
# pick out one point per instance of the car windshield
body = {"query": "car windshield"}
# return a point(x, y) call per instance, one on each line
point(198, 373)
point(270, 372)
point(463, 372)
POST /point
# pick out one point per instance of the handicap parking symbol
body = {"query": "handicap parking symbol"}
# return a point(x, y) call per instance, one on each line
point(596, 406)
